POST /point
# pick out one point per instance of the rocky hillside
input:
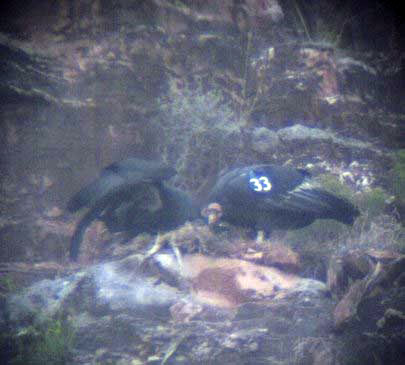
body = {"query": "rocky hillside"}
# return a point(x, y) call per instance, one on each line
point(203, 86)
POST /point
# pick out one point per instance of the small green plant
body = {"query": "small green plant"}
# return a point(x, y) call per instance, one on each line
point(328, 23)
point(373, 202)
point(50, 342)
point(195, 108)
point(398, 176)
point(179, 4)
point(7, 284)
point(332, 184)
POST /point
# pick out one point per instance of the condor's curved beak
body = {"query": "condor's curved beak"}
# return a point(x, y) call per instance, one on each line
point(213, 212)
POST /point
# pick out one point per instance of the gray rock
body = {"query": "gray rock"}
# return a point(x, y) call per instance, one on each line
point(263, 140)
point(301, 132)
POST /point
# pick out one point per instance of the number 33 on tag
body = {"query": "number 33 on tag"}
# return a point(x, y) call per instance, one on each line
point(261, 183)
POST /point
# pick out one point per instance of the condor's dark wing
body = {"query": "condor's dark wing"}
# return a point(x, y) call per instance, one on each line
point(131, 196)
point(129, 171)
point(127, 207)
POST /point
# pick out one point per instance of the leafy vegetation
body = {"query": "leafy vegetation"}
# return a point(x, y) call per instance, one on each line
point(48, 343)
point(398, 178)
point(7, 285)
point(327, 28)
point(195, 122)
point(332, 184)
point(373, 202)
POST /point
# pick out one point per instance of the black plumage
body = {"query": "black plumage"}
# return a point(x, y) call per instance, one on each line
point(131, 196)
point(267, 197)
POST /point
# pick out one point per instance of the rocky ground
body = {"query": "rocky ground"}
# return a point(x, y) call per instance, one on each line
point(202, 86)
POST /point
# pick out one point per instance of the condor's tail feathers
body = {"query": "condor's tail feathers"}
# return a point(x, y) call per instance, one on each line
point(108, 201)
point(324, 205)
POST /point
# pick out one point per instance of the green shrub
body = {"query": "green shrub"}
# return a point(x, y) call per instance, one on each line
point(50, 342)
point(373, 202)
point(7, 285)
point(332, 184)
point(398, 176)
point(193, 125)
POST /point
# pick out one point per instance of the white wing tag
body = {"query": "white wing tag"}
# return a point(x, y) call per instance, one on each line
point(261, 183)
